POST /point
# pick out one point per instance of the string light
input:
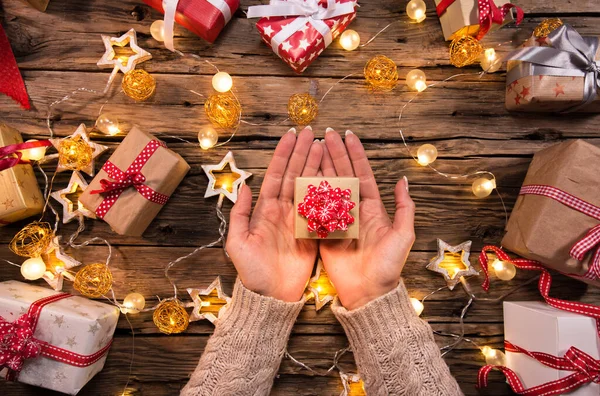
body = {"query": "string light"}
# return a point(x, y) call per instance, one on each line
point(223, 110)
point(32, 240)
point(133, 303)
point(493, 356)
point(93, 280)
point(170, 317)
point(33, 268)
point(302, 108)
point(546, 27)
point(490, 62)
point(350, 40)
point(157, 30)
point(416, 80)
point(33, 154)
point(138, 85)
point(504, 270)
point(417, 305)
point(415, 9)
point(207, 137)
point(74, 153)
point(426, 154)
point(464, 51)
point(222, 82)
point(108, 124)
point(483, 187)
point(381, 73)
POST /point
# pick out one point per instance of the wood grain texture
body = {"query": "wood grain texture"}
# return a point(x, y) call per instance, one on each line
point(57, 52)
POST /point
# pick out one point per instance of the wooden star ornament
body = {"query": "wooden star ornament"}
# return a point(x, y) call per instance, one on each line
point(82, 133)
point(452, 262)
point(201, 310)
point(69, 199)
point(58, 264)
point(225, 178)
point(320, 287)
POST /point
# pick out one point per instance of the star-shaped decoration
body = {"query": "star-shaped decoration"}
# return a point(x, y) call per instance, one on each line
point(200, 310)
point(59, 320)
point(525, 91)
point(58, 263)
point(17, 296)
point(97, 149)
point(559, 89)
point(35, 198)
point(452, 262)
point(126, 60)
point(319, 41)
point(93, 328)
point(60, 376)
point(518, 99)
point(286, 46)
point(69, 198)
point(20, 183)
point(312, 55)
point(225, 178)
point(301, 61)
point(25, 171)
point(84, 314)
point(71, 341)
point(304, 44)
point(8, 203)
point(320, 287)
point(268, 30)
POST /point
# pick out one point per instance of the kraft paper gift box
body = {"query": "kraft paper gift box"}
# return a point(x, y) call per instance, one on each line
point(131, 212)
point(538, 327)
point(39, 5)
point(75, 324)
point(543, 229)
point(342, 183)
point(20, 195)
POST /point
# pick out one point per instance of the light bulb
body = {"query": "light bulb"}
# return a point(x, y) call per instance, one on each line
point(483, 187)
point(415, 9)
point(157, 30)
point(33, 268)
point(504, 270)
point(416, 80)
point(426, 154)
point(222, 82)
point(207, 137)
point(417, 305)
point(133, 303)
point(108, 124)
point(349, 40)
point(33, 154)
point(489, 61)
point(493, 357)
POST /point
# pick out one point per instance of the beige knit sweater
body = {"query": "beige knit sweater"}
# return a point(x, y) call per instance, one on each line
point(394, 349)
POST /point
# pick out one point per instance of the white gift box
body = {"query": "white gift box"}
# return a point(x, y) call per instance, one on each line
point(76, 324)
point(537, 327)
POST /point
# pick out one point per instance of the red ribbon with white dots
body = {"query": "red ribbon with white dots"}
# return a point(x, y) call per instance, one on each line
point(17, 342)
point(132, 177)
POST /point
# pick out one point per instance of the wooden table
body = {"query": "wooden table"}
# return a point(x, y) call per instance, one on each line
point(57, 52)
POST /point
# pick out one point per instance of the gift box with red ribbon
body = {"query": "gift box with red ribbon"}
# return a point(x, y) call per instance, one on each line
point(135, 183)
point(556, 219)
point(52, 339)
point(298, 31)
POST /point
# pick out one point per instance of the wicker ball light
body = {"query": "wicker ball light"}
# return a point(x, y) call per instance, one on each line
point(302, 108)
point(138, 84)
point(381, 73)
point(75, 153)
point(464, 51)
point(170, 317)
point(93, 280)
point(223, 110)
point(32, 240)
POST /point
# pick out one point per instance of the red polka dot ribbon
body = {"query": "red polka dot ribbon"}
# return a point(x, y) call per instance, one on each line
point(18, 344)
point(11, 82)
point(132, 177)
point(489, 13)
point(327, 209)
point(585, 370)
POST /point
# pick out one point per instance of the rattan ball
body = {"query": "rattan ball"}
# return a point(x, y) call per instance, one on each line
point(32, 240)
point(93, 280)
point(381, 73)
point(302, 108)
point(171, 317)
point(138, 84)
point(547, 26)
point(223, 110)
point(74, 153)
point(464, 51)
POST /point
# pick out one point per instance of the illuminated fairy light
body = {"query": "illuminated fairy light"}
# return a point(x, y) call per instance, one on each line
point(493, 357)
point(426, 154)
point(490, 62)
point(33, 268)
point(416, 80)
point(208, 137)
point(33, 154)
point(417, 306)
point(350, 40)
point(157, 30)
point(222, 82)
point(483, 187)
point(504, 270)
point(415, 9)
point(108, 124)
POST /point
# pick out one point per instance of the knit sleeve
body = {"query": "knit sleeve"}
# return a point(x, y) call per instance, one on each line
point(394, 349)
point(244, 353)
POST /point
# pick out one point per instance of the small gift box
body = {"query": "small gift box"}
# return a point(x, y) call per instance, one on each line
point(206, 18)
point(556, 219)
point(298, 31)
point(20, 195)
point(39, 5)
point(531, 328)
point(326, 208)
point(52, 339)
point(135, 183)
point(554, 73)
point(473, 17)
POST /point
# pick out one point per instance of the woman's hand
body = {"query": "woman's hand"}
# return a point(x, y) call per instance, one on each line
point(362, 270)
point(269, 259)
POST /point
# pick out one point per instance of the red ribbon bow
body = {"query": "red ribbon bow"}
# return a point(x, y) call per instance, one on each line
point(585, 369)
point(17, 342)
point(488, 13)
point(11, 82)
point(327, 209)
point(11, 155)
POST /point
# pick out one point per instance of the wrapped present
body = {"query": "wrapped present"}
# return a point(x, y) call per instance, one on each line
point(556, 219)
point(557, 73)
point(327, 208)
point(206, 18)
point(473, 17)
point(20, 195)
point(39, 5)
point(52, 339)
point(549, 351)
point(300, 30)
point(135, 183)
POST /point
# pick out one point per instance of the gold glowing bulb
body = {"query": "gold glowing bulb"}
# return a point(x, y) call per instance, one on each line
point(493, 356)
point(483, 187)
point(349, 40)
point(108, 124)
point(133, 303)
point(207, 137)
point(417, 305)
point(33, 268)
point(415, 9)
point(489, 61)
point(33, 154)
point(157, 30)
point(504, 270)
point(426, 154)
point(416, 80)
point(222, 82)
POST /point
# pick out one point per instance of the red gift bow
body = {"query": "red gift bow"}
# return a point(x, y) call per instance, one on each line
point(591, 240)
point(7, 160)
point(543, 285)
point(488, 13)
point(11, 82)
point(132, 177)
point(585, 369)
point(18, 344)
point(327, 209)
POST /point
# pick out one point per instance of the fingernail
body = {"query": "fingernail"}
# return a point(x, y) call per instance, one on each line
point(316, 141)
point(328, 130)
point(322, 140)
point(308, 127)
point(293, 130)
point(406, 183)
point(349, 132)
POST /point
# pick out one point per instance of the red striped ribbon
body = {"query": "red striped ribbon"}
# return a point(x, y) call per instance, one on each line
point(18, 343)
point(591, 239)
point(585, 370)
point(11, 155)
